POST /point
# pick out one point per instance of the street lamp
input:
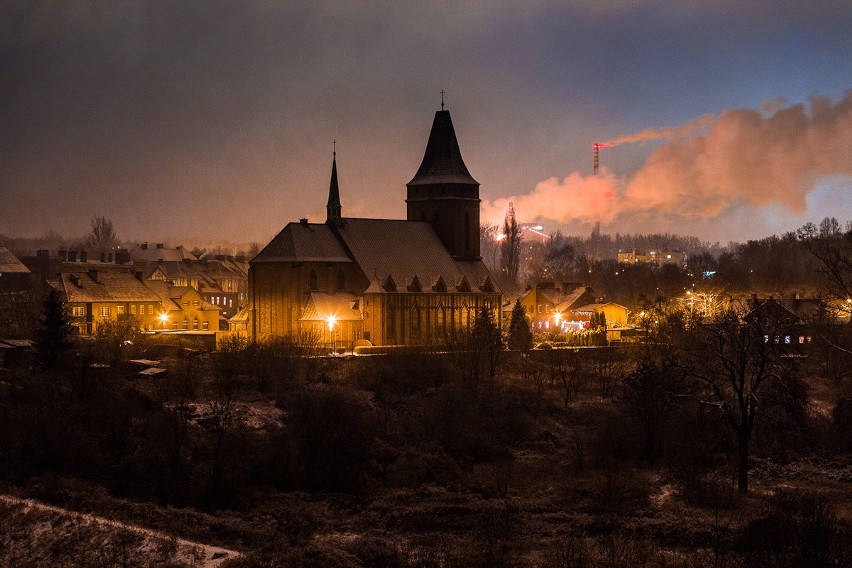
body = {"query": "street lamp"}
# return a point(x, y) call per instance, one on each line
point(331, 320)
point(164, 319)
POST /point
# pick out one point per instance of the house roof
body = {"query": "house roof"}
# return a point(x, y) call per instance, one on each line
point(9, 263)
point(403, 249)
point(80, 287)
point(154, 254)
point(577, 296)
point(321, 305)
point(595, 307)
point(442, 161)
point(303, 242)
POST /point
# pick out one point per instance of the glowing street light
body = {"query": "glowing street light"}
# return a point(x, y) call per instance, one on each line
point(164, 319)
point(331, 320)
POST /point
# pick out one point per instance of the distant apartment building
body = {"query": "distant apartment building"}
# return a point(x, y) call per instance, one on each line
point(654, 257)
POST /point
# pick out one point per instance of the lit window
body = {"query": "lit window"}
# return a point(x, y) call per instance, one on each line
point(119, 310)
point(787, 339)
point(133, 309)
point(205, 326)
point(151, 310)
point(195, 324)
point(104, 311)
point(78, 311)
point(185, 323)
point(801, 339)
point(195, 302)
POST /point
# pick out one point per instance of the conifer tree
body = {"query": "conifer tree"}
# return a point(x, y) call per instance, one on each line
point(54, 333)
point(520, 336)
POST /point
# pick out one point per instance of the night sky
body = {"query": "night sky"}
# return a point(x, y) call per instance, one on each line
point(201, 121)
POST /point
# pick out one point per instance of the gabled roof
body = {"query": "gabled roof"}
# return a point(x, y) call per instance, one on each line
point(596, 307)
point(321, 305)
point(80, 287)
point(398, 248)
point(577, 296)
point(442, 161)
point(9, 263)
point(303, 242)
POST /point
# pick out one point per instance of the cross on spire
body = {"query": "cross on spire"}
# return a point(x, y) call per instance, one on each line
point(442, 99)
point(334, 146)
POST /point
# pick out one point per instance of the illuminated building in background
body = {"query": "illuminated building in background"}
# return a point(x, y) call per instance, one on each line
point(387, 282)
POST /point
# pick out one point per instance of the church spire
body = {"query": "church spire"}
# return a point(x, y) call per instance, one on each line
point(444, 193)
point(333, 208)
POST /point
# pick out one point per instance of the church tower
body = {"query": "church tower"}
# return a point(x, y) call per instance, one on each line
point(444, 193)
point(333, 210)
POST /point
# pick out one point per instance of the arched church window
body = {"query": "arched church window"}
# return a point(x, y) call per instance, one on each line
point(312, 280)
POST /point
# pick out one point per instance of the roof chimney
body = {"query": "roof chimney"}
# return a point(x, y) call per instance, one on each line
point(303, 222)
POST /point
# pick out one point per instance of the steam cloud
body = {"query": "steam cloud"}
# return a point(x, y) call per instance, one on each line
point(774, 155)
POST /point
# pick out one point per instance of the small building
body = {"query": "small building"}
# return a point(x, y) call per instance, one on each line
point(14, 275)
point(94, 296)
point(547, 305)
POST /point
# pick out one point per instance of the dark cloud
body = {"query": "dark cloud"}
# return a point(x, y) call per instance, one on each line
point(215, 119)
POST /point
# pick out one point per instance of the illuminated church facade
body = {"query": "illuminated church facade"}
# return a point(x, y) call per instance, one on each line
point(416, 281)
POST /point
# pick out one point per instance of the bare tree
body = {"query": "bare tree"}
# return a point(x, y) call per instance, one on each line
point(734, 361)
point(102, 238)
point(833, 249)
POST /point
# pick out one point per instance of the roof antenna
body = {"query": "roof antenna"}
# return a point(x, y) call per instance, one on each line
point(442, 99)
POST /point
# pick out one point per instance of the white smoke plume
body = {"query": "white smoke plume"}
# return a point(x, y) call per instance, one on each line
point(774, 155)
point(650, 134)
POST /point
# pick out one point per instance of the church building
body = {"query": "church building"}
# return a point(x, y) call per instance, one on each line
point(417, 281)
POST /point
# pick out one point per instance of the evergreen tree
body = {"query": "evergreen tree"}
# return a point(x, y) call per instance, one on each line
point(485, 343)
point(54, 333)
point(520, 336)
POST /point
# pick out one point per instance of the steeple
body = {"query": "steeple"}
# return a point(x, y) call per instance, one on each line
point(444, 193)
point(333, 208)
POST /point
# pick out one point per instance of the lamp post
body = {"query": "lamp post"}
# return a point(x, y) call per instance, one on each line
point(331, 320)
point(164, 319)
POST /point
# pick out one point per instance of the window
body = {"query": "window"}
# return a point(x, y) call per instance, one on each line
point(151, 310)
point(78, 311)
point(185, 323)
point(133, 309)
point(195, 324)
point(195, 302)
point(104, 311)
point(230, 303)
point(119, 310)
point(205, 326)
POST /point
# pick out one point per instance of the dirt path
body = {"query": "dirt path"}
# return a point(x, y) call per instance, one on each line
point(195, 553)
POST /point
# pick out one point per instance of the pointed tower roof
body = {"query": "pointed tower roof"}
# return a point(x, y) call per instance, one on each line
point(442, 162)
point(333, 208)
